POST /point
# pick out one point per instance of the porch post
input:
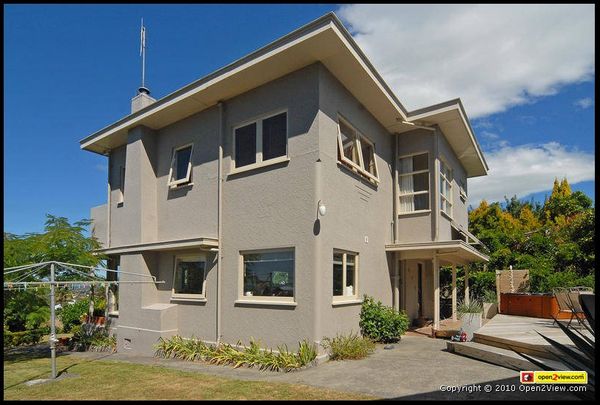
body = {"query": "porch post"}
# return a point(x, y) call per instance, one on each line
point(454, 292)
point(436, 293)
point(467, 296)
point(396, 282)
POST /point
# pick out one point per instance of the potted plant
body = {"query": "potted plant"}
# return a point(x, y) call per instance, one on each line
point(490, 304)
point(470, 313)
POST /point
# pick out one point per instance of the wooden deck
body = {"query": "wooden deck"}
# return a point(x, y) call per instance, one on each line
point(520, 332)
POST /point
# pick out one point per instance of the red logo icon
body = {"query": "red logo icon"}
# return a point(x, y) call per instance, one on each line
point(526, 377)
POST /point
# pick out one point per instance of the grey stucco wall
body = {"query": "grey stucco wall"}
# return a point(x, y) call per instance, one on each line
point(272, 207)
point(359, 215)
point(99, 217)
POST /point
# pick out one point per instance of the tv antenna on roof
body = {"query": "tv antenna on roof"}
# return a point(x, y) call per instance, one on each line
point(143, 88)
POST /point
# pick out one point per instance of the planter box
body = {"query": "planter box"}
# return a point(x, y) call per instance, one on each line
point(470, 324)
point(533, 305)
point(490, 309)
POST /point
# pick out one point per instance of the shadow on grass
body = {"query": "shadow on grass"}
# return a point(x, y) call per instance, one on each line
point(28, 353)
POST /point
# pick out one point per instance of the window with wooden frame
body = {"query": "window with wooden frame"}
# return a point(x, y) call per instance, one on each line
point(413, 179)
point(445, 189)
point(189, 277)
point(356, 151)
point(181, 166)
point(267, 275)
point(261, 140)
point(345, 275)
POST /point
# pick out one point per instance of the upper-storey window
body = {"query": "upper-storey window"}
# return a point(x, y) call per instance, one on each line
point(121, 185)
point(356, 151)
point(181, 165)
point(261, 140)
point(414, 183)
point(445, 188)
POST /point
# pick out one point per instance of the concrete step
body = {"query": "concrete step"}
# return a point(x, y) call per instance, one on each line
point(502, 357)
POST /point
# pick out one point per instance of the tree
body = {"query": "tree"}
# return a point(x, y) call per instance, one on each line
point(555, 241)
point(61, 242)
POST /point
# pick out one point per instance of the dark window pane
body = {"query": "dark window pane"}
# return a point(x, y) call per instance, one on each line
point(368, 157)
point(421, 182)
point(338, 276)
point(245, 145)
point(421, 202)
point(420, 162)
point(189, 277)
point(274, 136)
point(269, 274)
point(182, 160)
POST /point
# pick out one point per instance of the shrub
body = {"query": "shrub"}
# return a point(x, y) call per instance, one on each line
point(70, 315)
point(251, 356)
point(27, 337)
point(381, 323)
point(91, 337)
point(351, 347)
point(490, 296)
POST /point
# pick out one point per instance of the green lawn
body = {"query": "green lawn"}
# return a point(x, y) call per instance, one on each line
point(118, 380)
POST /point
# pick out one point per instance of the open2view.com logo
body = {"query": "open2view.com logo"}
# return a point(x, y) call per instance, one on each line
point(554, 377)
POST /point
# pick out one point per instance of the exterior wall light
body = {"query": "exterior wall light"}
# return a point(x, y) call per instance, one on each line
point(322, 208)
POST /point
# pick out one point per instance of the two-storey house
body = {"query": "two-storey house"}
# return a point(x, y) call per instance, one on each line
point(272, 194)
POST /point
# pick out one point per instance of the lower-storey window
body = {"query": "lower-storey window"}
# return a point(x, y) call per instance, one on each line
point(189, 276)
point(268, 274)
point(345, 267)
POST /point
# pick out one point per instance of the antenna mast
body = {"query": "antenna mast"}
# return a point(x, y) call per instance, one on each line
point(143, 88)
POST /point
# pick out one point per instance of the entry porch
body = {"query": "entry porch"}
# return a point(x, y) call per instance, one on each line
point(416, 276)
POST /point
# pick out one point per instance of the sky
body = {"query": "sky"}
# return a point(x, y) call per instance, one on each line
point(525, 75)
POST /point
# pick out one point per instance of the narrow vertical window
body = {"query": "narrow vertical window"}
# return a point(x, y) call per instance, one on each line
point(345, 267)
point(445, 189)
point(414, 183)
point(121, 184)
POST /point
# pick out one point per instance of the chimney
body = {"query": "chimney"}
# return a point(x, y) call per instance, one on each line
point(142, 100)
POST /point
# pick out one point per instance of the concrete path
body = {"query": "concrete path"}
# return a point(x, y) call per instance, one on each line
point(416, 368)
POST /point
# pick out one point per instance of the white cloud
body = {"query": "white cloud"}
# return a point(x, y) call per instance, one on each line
point(525, 169)
point(101, 167)
point(584, 103)
point(491, 56)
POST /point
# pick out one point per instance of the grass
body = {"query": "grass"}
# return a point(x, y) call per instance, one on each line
point(113, 380)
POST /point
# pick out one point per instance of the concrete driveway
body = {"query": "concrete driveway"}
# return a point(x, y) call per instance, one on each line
point(416, 368)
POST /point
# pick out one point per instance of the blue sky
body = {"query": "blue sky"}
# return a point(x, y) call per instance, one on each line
point(72, 70)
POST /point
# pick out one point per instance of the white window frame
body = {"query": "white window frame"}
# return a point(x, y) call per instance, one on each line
point(187, 179)
point(446, 200)
point(462, 190)
point(360, 168)
point(413, 193)
point(197, 257)
point(344, 297)
point(243, 299)
point(259, 162)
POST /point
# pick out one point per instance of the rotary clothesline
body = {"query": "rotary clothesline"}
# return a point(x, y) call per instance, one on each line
point(33, 271)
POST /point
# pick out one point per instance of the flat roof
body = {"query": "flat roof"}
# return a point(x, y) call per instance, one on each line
point(324, 40)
